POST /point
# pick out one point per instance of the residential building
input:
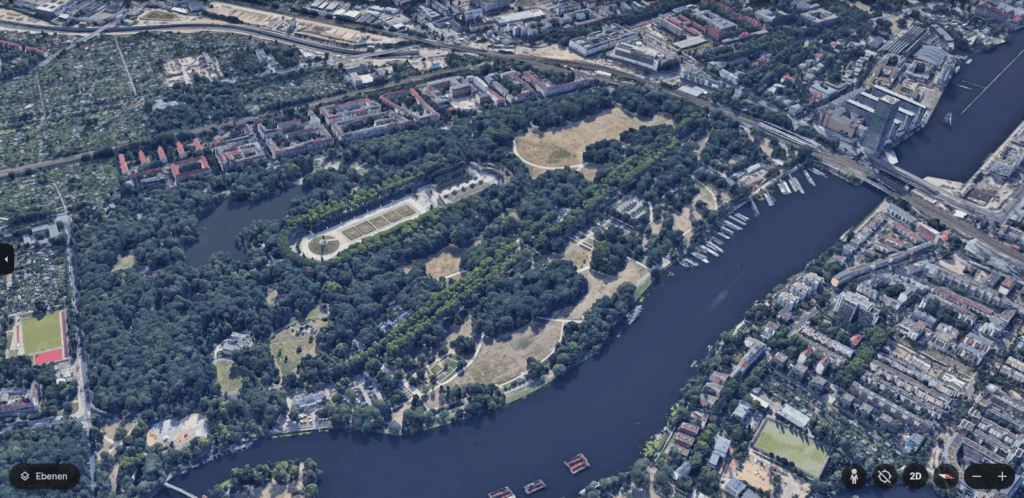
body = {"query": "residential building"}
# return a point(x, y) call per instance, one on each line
point(297, 137)
point(194, 166)
point(822, 365)
point(720, 451)
point(237, 151)
point(787, 300)
point(734, 488)
point(1007, 14)
point(851, 305)
point(409, 103)
point(819, 17)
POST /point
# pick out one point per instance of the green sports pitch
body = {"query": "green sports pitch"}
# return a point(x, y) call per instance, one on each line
point(41, 335)
point(788, 444)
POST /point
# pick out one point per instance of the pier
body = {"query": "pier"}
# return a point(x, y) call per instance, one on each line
point(182, 491)
point(983, 90)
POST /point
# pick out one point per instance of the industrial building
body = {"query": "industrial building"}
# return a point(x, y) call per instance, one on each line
point(636, 53)
point(601, 41)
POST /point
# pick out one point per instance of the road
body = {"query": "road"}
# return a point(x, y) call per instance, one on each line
point(202, 26)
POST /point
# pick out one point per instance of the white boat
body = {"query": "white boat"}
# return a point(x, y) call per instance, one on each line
point(784, 187)
point(795, 182)
point(732, 225)
point(769, 199)
point(818, 172)
point(741, 217)
point(968, 61)
point(633, 315)
point(723, 235)
point(737, 219)
point(809, 179)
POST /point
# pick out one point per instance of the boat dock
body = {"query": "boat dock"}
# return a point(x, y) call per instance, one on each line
point(576, 464)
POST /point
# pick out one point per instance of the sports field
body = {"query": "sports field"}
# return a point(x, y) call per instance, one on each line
point(793, 446)
point(42, 335)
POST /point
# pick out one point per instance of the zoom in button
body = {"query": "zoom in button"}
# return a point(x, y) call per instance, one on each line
point(44, 476)
point(989, 476)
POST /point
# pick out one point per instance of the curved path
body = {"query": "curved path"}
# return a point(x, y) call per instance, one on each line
point(515, 150)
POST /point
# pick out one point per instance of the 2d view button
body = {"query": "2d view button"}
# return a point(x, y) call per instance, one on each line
point(44, 476)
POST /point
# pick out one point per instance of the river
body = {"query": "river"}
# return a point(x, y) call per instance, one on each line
point(607, 407)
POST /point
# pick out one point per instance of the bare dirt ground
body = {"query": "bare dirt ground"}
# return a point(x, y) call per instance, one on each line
point(552, 51)
point(565, 146)
point(271, 296)
point(601, 285)
point(578, 255)
point(444, 263)
point(752, 472)
point(503, 358)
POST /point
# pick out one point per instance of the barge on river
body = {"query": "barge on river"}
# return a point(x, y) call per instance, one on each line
point(534, 487)
point(577, 464)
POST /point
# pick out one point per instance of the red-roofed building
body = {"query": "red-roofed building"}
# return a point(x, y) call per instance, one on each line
point(855, 340)
point(822, 365)
point(124, 164)
point(161, 154)
point(198, 146)
point(181, 150)
point(196, 165)
point(142, 158)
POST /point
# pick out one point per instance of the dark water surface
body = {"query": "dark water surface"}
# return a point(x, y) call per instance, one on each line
point(218, 231)
point(956, 152)
point(608, 407)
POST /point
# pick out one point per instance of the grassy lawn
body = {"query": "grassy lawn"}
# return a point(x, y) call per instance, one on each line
point(230, 377)
point(503, 358)
point(285, 348)
point(41, 335)
point(124, 263)
point(794, 447)
point(565, 146)
point(332, 245)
